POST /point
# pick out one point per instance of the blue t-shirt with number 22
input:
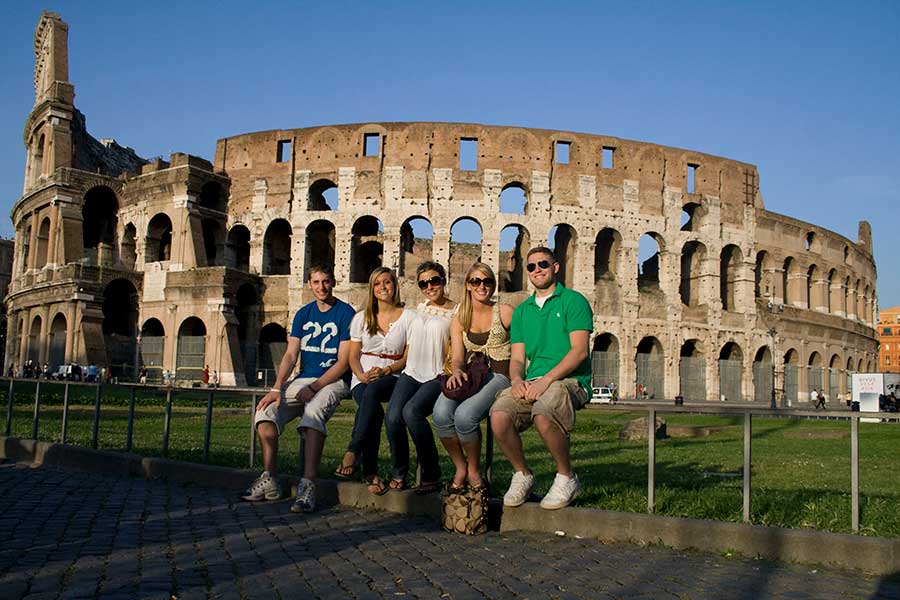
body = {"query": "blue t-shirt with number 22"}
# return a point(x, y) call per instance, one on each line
point(320, 335)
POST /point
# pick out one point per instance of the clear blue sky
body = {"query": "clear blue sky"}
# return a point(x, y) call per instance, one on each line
point(807, 91)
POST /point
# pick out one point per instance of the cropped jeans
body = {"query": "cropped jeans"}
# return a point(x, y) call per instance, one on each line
point(462, 419)
point(411, 404)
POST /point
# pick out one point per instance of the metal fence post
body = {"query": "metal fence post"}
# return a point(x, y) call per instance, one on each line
point(9, 407)
point(37, 407)
point(208, 431)
point(651, 460)
point(129, 436)
point(252, 429)
point(168, 423)
point(96, 430)
point(854, 472)
point(65, 415)
point(748, 428)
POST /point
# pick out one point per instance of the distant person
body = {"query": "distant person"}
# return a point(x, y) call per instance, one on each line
point(215, 379)
point(814, 397)
point(205, 376)
point(820, 402)
point(142, 376)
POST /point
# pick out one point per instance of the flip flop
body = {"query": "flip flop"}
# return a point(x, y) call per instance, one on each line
point(397, 485)
point(427, 488)
point(345, 471)
point(375, 485)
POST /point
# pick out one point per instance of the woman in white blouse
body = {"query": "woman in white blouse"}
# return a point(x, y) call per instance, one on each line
point(378, 345)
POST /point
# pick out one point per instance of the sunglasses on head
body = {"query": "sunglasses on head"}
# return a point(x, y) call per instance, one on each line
point(435, 281)
point(544, 264)
point(478, 281)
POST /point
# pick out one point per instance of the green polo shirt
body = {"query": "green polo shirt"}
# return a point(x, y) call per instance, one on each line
point(545, 332)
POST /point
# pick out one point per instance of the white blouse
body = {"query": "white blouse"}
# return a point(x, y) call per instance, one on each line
point(393, 342)
point(428, 335)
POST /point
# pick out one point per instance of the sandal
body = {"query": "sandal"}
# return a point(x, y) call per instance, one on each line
point(453, 488)
point(375, 485)
point(427, 488)
point(397, 485)
point(345, 471)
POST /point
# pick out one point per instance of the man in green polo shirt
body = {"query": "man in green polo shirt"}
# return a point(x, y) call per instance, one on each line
point(550, 332)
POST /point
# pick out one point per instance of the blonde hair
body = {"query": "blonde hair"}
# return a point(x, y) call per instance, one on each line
point(465, 305)
point(372, 303)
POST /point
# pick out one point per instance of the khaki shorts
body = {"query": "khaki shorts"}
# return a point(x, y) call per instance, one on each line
point(314, 414)
point(558, 404)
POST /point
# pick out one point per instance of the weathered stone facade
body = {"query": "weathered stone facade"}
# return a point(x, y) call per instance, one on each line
point(211, 256)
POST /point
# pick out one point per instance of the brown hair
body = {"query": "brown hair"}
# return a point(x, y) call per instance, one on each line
point(372, 303)
point(465, 305)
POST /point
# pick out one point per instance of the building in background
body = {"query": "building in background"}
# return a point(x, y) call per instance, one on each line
point(889, 340)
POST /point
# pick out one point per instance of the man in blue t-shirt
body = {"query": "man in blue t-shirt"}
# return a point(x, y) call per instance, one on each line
point(320, 338)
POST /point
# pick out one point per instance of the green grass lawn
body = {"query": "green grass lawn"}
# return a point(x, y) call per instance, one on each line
point(801, 476)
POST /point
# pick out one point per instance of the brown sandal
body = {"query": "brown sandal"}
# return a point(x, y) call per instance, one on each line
point(345, 471)
point(375, 485)
point(397, 485)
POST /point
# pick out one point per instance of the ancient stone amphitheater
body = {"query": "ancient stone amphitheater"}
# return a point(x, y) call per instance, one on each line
point(180, 263)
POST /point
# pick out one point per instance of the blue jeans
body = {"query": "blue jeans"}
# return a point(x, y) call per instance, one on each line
point(410, 405)
point(366, 436)
point(453, 418)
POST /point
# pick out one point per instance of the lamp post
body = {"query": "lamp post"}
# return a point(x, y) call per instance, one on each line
point(772, 334)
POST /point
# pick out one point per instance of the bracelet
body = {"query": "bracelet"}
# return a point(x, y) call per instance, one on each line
point(315, 391)
point(275, 389)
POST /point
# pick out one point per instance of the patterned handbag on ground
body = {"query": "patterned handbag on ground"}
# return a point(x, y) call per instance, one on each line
point(465, 510)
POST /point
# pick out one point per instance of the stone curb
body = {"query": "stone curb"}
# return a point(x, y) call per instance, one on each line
point(875, 555)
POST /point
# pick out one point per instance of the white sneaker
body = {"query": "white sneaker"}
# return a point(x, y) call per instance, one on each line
point(562, 493)
point(519, 488)
point(264, 488)
point(306, 497)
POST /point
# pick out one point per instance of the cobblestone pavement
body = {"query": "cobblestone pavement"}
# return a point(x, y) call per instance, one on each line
point(78, 535)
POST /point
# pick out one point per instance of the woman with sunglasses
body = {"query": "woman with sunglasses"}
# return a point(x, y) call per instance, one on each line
point(378, 346)
point(480, 325)
point(417, 387)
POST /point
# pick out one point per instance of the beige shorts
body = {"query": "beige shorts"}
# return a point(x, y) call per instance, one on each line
point(314, 414)
point(558, 404)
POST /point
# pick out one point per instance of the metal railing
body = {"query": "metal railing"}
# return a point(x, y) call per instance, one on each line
point(652, 409)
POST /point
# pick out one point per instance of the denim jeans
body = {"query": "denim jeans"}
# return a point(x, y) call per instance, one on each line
point(410, 405)
point(366, 436)
point(453, 418)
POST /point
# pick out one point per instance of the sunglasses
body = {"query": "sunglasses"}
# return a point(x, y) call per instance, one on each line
point(435, 281)
point(544, 264)
point(478, 282)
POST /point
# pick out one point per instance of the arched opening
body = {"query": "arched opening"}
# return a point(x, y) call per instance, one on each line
point(731, 373)
point(650, 368)
point(860, 366)
point(829, 284)
point(812, 296)
point(814, 379)
point(810, 240)
point(129, 246)
point(25, 242)
point(237, 248)
point(43, 243)
point(277, 248)
point(786, 276)
point(692, 371)
point(213, 197)
point(158, 245)
point(272, 345)
point(416, 245)
point(213, 242)
point(120, 314)
point(320, 244)
point(563, 240)
point(845, 298)
point(761, 285)
point(247, 311)
point(37, 169)
point(34, 341)
point(99, 218)
point(834, 378)
point(605, 360)
point(513, 199)
point(848, 382)
point(56, 355)
point(791, 377)
point(763, 373)
point(465, 249)
point(607, 246)
point(191, 355)
point(693, 255)
point(691, 217)
point(153, 342)
point(729, 263)
point(366, 248)
point(323, 195)
point(649, 248)
point(515, 242)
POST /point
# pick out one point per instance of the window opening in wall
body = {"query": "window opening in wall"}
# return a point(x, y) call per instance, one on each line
point(692, 178)
point(213, 242)
point(562, 153)
point(120, 314)
point(608, 153)
point(513, 200)
point(563, 241)
point(729, 261)
point(237, 249)
point(320, 245)
point(371, 144)
point(809, 240)
point(416, 245)
point(515, 242)
point(692, 371)
point(465, 248)
point(247, 311)
point(366, 248)
point(468, 154)
point(323, 195)
point(277, 248)
point(846, 253)
point(693, 255)
point(648, 263)
point(158, 243)
point(213, 196)
point(606, 254)
point(284, 151)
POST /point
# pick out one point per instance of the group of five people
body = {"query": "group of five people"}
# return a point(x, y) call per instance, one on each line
point(390, 360)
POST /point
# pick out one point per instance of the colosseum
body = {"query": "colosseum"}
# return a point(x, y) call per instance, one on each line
point(180, 263)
